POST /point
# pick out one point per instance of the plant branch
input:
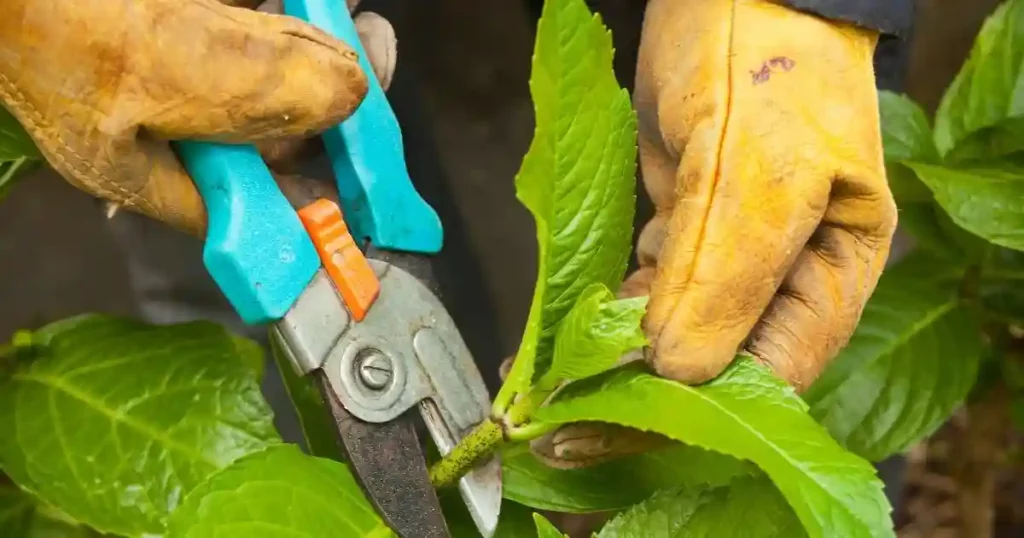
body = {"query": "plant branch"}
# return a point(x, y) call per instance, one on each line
point(481, 442)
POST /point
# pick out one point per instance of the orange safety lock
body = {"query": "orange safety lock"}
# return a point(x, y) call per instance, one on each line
point(340, 255)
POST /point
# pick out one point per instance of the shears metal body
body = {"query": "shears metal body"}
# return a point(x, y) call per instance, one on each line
point(351, 299)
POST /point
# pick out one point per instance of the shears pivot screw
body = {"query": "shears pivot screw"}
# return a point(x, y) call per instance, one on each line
point(375, 369)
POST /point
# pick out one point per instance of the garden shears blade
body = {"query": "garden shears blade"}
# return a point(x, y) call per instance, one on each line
point(369, 328)
point(380, 343)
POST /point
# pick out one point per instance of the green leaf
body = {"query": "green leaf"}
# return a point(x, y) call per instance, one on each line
point(988, 202)
point(1001, 141)
point(15, 143)
point(749, 506)
point(594, 335)
point(912, 360)
point(921, 221)
point(18, 153)
point(926, 268)
point(10, 171)
point(985, 93)
point(16, 509)
point(545, 529)
point(278, 492)
point(905, 186)
point(906, 136)
point(578, 177)
point(317, 424)
point(616, 484)
point(21, 517)
point(1001, 286)
point(935, 231)
point(750, 414)
point(114, 420)
point(515, 520)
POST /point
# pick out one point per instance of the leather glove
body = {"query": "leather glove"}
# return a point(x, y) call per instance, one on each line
point(102, 85)
point(761, 149)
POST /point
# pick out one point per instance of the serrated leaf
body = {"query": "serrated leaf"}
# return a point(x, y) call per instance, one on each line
point(749, 506)
point(984, 101)
point(114, 420)
point(318, 428)
point(278, 492)
point(912, 360)
point(578, 177)
point(988, 202)
point(616, 484)
point(594, 335)
point(906, 136)
point(750, 414)
point(545, 529)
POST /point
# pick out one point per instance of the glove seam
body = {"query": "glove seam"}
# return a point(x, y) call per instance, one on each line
point(85, 173)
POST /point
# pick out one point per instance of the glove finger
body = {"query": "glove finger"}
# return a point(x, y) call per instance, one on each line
point(716, 272)
point(378, 39)
point(249, 4)
point(821, 300)
point(375, 33)
point(505, 367)
point(589, 443)
point(168, 194)
point(637, 284)
point(234, 75)
point(285, 155)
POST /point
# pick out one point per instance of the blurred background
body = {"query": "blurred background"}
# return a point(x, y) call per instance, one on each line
point(461, 94)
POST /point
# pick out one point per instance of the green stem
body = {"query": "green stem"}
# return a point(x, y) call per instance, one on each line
point(506, 395)
point(481, 442)
point(529, 432)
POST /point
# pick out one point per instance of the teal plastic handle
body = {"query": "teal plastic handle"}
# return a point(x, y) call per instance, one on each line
point(376, 192)
point(256, 250)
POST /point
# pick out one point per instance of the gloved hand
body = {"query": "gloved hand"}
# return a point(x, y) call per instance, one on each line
point(102, 85)
point(760, 147)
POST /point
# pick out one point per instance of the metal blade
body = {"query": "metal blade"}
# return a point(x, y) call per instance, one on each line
point(389, 465)
point(459, 396)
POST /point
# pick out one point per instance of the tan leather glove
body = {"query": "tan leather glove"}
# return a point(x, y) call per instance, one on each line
point(101, 85)
point(761, 150)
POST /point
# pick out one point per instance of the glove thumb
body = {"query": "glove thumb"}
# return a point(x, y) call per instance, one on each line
point(225, 74)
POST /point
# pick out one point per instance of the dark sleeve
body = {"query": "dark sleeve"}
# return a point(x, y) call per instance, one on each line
point(892, 17)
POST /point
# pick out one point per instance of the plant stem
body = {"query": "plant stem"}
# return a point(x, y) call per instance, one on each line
point(529, 432)
point(480, 443)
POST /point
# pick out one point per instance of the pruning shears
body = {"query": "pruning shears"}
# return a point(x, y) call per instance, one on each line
point(351, 298)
